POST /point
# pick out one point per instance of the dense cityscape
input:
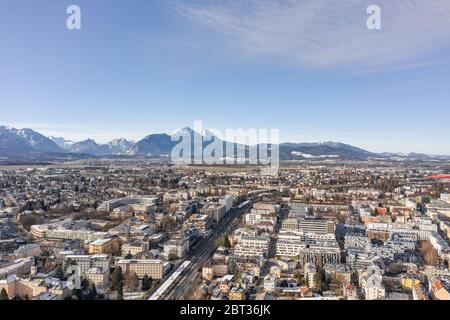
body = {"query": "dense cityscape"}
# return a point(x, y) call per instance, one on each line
point(224, 159)
point(138, 229)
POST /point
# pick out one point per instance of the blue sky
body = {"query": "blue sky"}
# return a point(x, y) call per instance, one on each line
point(309, 68)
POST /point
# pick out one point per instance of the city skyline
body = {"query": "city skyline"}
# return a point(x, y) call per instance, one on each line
point(149, 67)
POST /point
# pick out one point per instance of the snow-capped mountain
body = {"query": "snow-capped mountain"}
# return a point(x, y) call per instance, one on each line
point(120, 146)
point(61, 142)
point(90, 147)
point(25, 140)
point(162, 144)
point(87, 146)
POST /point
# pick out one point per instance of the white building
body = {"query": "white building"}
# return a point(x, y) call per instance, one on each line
point(227, 201)
point(252, 246)
point(315, 226)
point(176, 246)
point(86, 262)
point(270, 283)
point(439, 243)
point(145, 203)
point(307, 248)
point(372, 284)
point(445, 197)
point(215, 211)
point(298, 210)
point(356, 241)
point(421, 228)
point(309, 271)
point(135, 247)
point(252, 219)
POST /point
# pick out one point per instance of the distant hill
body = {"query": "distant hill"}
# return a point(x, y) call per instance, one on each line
point(292, 151)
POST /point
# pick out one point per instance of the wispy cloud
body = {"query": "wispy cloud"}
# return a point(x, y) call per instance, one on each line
point(328, 33)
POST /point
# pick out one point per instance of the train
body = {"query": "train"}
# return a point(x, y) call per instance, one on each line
point(163, 289)
point(243, 204)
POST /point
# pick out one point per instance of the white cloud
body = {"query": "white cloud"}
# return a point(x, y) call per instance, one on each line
point(328, 33)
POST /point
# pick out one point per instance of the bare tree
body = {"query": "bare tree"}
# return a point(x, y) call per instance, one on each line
point(429, 253)
point(132, 281)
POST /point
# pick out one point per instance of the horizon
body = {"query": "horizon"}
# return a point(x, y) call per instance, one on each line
point(99, 142)
point(309, 68)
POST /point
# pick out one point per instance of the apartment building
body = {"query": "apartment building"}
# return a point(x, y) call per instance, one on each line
point(440, 290)
point(356, 241)
point(202, 222)
point(290, 224)
point(135, 247)
point(270, 283)
point(215, 211)
point(253, 219)
point(289, 247)
point(236, 293)
point(176, 246)
point(338, 273)
point(19, 267)
point(139, 204)
point(22, 287)
point(371, 281)
point(445, 197)
point(252, 246)
point(98, 276)
point(298, 210)
point(310, 271)
point(86, 262)
point(28, 250)
point(265, 208)
point(207, 272)
point(108, 245)
point(307, 248)
point(227, 201)
point(422, 227)
point(316, 226)
point(308, 225)
point(151, 267)
point(48, 232)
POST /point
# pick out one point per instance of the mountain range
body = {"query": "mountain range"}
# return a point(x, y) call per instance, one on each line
point(90, 147)
point(14, 140)
point(29, 144)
